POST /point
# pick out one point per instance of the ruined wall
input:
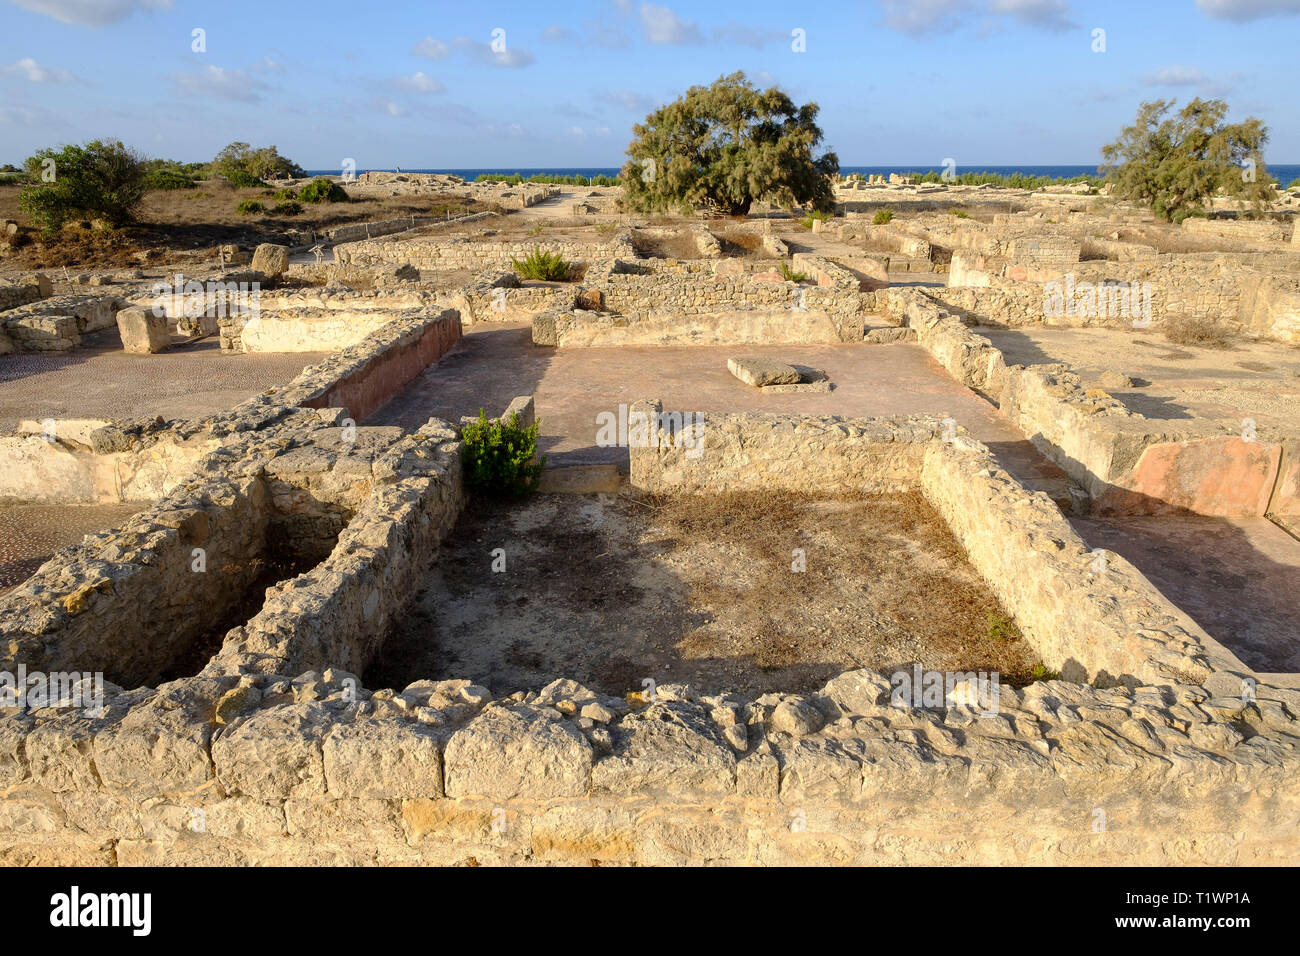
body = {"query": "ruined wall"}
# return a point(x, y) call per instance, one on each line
point(1267, 230)
point(56, 324)
point(363, 377)
point(473, 255)
point(305, 330)
point(1127, 464)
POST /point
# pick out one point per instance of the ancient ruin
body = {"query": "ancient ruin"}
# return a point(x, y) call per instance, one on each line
point(1064, 438)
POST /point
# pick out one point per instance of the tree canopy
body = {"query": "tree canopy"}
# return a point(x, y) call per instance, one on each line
point(1174, 164)
point(726, 145)
point(239, 160)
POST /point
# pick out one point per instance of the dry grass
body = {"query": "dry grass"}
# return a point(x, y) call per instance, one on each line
point(1198, 331)
point(908, 560)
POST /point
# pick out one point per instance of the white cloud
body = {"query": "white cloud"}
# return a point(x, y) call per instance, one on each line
point(236, 85)
point(392, 109)
point(419, 82)
point(431, 49)
point(1243, 10)
point(511, 56)
point(33, 72)
point(745, 35)
point(941, 16)
point(91, 13)
point(269, 65)
point(1175, 76)
point(628, 100)
point(1045, 14)
point(662, 26)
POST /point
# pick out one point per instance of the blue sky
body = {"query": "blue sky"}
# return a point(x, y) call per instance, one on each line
point(420, 84)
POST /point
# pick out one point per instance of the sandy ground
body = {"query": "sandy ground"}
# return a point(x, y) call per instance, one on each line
point(610, 590)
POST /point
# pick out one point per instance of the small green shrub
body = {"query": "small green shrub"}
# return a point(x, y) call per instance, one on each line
point(286, 193)
point(816, 214)
point(790, 275)
point(168, 179)
point(498, 457)
point(882, 217)
point(960, 213)
point(1042, 672)
point(542, 265)
point(537, 229)
point(1295, 183)
point(286, 207)
point(322, 189)
point(999, 628)
point(242, 180)
point(247, 207)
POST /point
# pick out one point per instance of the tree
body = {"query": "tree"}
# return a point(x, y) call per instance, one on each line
point(1175, 163)
point(726, 145)
point(102, 179)
point(239, 163)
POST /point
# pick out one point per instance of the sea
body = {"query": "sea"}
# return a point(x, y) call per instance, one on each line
point(1285, 173)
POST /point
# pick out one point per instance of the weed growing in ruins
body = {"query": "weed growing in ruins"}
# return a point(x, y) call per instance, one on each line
point(1000, 628)
point(322, 189)
point(790, 275)
point(882, 216)
point(537, 230)
point(960, 213)
point(499, 457)
point(542, 265)
point(249, 206)
point(1042, 672)
point(815, 216)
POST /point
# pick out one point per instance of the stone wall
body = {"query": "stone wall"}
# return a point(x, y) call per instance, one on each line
point(476, 255)
point(363, 377)
point(1127, 464)
point(56, 324)
point(308, 330)
point(1266, 230)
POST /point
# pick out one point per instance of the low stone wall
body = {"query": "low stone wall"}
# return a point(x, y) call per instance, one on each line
point(386, 227)
point(56, 324)
point(1247, 230)
point(1127, 464)
point(475, 256)
point(97, 462)
point(502, 297)
point(1239, 293)
point(309, 330)
point(15, 293)
point(584, 329)
point(363, 377)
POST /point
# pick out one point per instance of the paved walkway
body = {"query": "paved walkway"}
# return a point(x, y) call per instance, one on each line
point(494, 363)
point(102, 381)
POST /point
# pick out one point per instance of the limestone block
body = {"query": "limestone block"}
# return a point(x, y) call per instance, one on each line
point(270, 259)
point(383, 759)
point(143, 332)
point(504, 753)
point(760, 371)
point(668, 748)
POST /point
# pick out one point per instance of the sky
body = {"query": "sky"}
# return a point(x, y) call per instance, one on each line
point(526, 85)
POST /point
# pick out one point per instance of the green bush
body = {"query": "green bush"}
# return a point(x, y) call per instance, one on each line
point(323, 189)
point(249, 206)
point(285, 193)
point(498, 457)
point(286, 207)
point(960, 213)
point(101, 180)
point(242, 180)
point(546, 266)
point(241, 160)
point(882, 217)
point(790, 275)
point(168, 178)
point(1295, 183)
